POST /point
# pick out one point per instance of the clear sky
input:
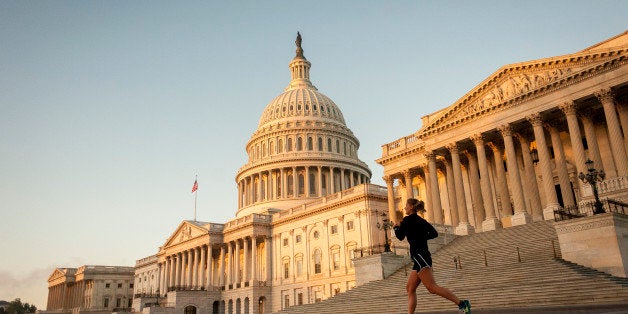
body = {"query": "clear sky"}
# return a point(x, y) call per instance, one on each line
point(108, 109)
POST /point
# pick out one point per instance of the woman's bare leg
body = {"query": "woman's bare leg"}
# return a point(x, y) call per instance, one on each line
point(427, 277)
point(413, 283)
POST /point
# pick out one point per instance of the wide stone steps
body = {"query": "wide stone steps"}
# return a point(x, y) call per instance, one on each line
point(539, 280)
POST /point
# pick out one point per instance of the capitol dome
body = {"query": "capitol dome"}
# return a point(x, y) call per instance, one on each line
point(301, 150)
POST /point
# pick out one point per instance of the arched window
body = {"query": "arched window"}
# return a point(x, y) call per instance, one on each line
point(344, 144)
point(309, 143)
point(271, 149)
point(299, 144)
point(261, 304)
point(320, 144)
point(301, 184)
point(312, 183)
point(337, 146)
point(190, 309)
point(316, 258)
point(329, 145)
point(289, 146)
point(290, 184)
point(280, 146)
point(264, 151)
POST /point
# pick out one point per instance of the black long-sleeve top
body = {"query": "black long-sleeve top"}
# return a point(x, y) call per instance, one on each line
point(417, 230)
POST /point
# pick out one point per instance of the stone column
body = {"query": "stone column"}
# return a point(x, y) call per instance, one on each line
point(236, 260)
point(253, 260)
point(594, 148)
point(189, 264)
point(282, 182)
point(561, 167)
point(606, 96)
point(178, 270)
point(229, 266)
point(342, 179)
point(569, 108)
point(240, 194)
point(531, 185)
point(520, 216)
point(490, 222)
point(268, 261)
point(463, 228)
point(307, 181)
point(451, 192)
point(320, 182)
point(203, 267)
point(392, 212)
point(195, 268)
point(551, 200)
point(437, 208)
point(429, 215)
point(502, 183)
point(221, 267)
point(351, 180)
point(245, 261)
point(332, 188)
point(407, 179)
point(476, 191)
point(622, 110)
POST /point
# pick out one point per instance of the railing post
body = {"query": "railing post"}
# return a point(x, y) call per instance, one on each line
point(485, 260)
point(518, 255)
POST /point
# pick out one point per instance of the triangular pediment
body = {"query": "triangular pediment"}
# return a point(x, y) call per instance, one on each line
point(187, 230)
point(514, 82)
point(61, 272)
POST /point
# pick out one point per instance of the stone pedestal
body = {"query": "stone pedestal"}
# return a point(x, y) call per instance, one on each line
point(491, 224)
point(548, 212)
point(597, 241)
point(521, 218)
point(377, 266)
point(464, 229)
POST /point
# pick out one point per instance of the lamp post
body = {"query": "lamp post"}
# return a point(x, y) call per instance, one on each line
point(157, 303)
point(385, 225)
point(592, 177)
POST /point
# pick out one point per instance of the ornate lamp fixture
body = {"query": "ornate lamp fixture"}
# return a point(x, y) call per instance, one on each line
point(535, 155)
point(385, 225)
point(592, 177)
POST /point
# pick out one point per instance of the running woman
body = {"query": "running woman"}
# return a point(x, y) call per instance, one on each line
point(418, 231)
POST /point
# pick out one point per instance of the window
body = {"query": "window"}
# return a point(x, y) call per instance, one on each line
point(320, 144)
point(298, 238)
point(317, 261)
point(299, 144)
point(286, 301)
point(286, 269)
point(285, 242)
point(118, 302)
point(300, 298)
point(337, 146)
point(131, 286)
point(310, 145)
point(107, 285)
point(316, 234)
point(329, 145)
point(336, 258)
point(350, 225)
point(280, 146)
point(289, 148)
point(120, 285)
point(334, 229)
point(312, 184)
point(299, 267)
point(106, 303)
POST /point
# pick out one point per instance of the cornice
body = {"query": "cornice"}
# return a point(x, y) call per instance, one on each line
point(306, 160)
point(562, 82)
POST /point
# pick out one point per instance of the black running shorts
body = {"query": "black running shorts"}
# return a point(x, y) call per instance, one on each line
point(421, 261)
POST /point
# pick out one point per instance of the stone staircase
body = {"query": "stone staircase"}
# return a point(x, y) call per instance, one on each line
point(499, 271)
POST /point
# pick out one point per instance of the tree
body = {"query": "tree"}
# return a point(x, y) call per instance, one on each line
point(17, 307)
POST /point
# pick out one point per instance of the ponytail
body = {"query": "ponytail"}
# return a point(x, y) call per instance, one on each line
point(417, 205)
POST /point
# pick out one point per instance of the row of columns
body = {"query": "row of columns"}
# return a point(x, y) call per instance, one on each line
point(273, 184)
point(194, 269)
point(66, 296)
point(483, 192)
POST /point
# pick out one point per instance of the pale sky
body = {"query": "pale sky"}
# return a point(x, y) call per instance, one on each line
point(108, 109)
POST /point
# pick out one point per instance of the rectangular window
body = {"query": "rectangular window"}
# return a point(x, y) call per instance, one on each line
point(106, 303)
point(334, 229)
point(286, 301)
point(317, 268)
point(131, 286)
point(299, 264)
point(350, 225)
point(285, 242)
point(336, 257)
point(300, 298)
point(298, 238)
point(118, 302)
point(286, 270)
point(107, 285)
point(119, 285)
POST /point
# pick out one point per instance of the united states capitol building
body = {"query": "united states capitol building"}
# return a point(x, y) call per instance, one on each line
point(507, 153)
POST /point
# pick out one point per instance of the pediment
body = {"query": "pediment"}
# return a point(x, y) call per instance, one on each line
point(187, 230)
point(517, 81)
point(61, 273)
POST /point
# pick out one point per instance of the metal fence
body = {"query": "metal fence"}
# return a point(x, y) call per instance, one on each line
point(588, 208)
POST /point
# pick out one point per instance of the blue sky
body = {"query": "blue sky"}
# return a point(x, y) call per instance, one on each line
point(108, 109)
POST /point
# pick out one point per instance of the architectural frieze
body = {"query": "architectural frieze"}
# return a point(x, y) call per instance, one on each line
point(512, 90)
point(573, 226)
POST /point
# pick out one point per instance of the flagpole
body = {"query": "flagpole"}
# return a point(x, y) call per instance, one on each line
point(195, 194)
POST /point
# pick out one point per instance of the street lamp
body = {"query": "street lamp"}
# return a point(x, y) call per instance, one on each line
point(385, 225)
point(592, 177)
point(157, 303)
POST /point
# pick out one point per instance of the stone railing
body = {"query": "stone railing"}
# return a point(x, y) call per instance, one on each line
point(612, 185)
point(401, 144)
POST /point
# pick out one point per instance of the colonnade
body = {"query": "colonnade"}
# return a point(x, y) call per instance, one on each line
point(298, 181)
point(496, 188)
point(220, 267)
point(67, 296)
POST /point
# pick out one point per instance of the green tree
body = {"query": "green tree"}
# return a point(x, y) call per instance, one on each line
point(17, 307)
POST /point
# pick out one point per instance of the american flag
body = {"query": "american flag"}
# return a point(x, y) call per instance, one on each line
point(195, 186)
